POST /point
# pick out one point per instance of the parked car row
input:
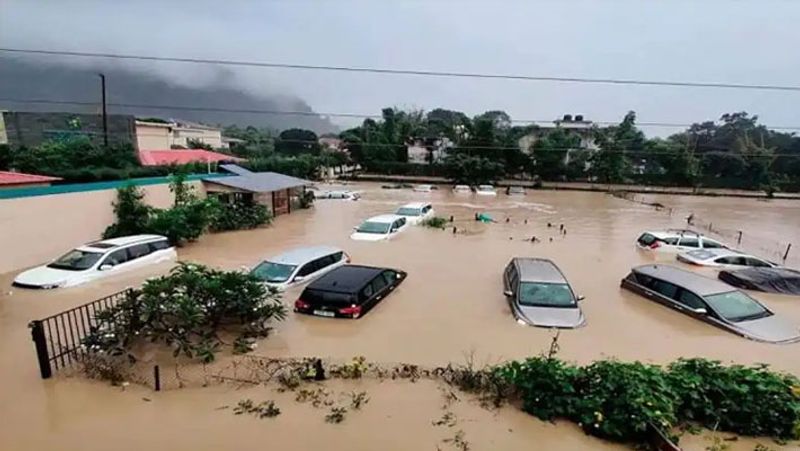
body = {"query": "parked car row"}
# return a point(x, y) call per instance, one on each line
point(481, 190)
point(696, 249)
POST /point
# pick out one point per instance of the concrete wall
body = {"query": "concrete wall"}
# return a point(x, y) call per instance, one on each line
point(34, 230)
point(153, 137)
point(181, 136)
point(31, 129)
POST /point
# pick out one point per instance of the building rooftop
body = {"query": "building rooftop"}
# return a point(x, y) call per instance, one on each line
point(19, 178)
point(259, 182)
point(182, 156)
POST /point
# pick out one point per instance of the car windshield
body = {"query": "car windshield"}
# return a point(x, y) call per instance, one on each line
point(486, 187)
point(76, 260)
point(736, 306)
point(545, 294)
point(374, 227)
point(273, 272)
point(404, 211)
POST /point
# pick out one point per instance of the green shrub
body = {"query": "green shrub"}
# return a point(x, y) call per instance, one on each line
point(617, 400)
point(239, 215)
point(131, 212)
point(745, 400)
point(436, 222)
point(188, 310)
point(182, 223)
point(546, 386)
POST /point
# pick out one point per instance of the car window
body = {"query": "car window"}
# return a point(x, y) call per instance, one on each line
point(390, 277)
point(159, 245)
point(647, 239)
point(751, 261)
point(687, 241)
point(545, 294)
point(367, 292)
point(664, 288)
point(379, 283)
point(711, 244)
point(732, 260)
point(690, 300)
point(308, 268)
point(672, 241)
point(644, 280)
point(139, 250)
point(337, 257)
point(116, 258)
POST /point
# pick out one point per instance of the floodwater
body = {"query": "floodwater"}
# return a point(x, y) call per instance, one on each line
point(451, 306)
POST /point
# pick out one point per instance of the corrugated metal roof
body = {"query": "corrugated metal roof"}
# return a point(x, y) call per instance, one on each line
point(260, 182)
point(235, 169)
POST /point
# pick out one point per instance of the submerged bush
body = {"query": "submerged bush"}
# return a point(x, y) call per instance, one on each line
point(188, 310)
point(546, 386)
point(436, 222)
point(745, 400)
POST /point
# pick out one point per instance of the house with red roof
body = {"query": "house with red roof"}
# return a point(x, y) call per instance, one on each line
point(171, 157)
point(20, 180)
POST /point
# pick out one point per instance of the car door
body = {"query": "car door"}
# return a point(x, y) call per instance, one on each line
point(690, 302)
point(664, 292)
point(306, 271)
point(757, 262)
point(114, 262)
point(323, 265)
point(688, 243)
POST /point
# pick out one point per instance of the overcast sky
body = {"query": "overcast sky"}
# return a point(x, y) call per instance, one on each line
point(709, 40)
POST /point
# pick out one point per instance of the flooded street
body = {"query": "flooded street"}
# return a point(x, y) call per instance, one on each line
point(451, 306)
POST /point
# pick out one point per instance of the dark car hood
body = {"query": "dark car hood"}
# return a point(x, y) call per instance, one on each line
point(551, 316)
point(772, 329)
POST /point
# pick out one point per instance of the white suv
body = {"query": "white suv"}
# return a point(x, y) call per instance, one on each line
point(676, 240)
point(415, 212)
point(299, 265)
point(99, 260)
point(377, 228)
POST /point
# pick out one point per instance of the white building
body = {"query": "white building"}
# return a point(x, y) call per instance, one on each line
point(165, 135)
point(424, 151)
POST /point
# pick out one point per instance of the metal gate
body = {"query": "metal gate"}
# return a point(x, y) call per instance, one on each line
point(59, 338)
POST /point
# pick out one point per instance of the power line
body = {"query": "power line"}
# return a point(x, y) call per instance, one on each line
point(329, 114)
point(427, 73)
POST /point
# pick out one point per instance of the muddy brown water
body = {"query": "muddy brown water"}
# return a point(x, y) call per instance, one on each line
point(450, 306)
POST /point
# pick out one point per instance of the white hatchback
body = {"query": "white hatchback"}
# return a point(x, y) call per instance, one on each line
point(723, 258)
point(98, 260)
point(462, 189)
point(415, 212)
point(676, 240)
point(379, 228)
point(299, 265)
point(345, 195)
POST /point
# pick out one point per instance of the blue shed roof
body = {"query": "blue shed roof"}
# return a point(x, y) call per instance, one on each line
point(259, 182)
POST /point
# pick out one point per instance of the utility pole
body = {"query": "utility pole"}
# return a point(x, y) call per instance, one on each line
point(105, 115)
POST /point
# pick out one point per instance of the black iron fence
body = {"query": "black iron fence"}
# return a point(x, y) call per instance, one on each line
point(59, 338)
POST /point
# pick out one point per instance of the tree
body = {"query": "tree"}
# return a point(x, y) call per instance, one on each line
point(472, 170)
point(550, 153)
point(297, 141)
point(5, 157)
point(132, 214)
point(258, 142)
point(610, 163)
point(678, 163)
point(192, 143)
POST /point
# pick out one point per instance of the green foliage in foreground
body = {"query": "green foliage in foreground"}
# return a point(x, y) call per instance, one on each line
point(436, 222)
point(617, 400)
point(188, 310)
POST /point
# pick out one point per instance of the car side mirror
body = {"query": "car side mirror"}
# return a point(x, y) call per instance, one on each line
point(700, 311)
point(508, 293)
point(106, 267)
point(580, 298)
point(298, 278)
point(355, 228)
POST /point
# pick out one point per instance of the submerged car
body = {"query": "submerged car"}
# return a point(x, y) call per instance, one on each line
point(723, 258)
point(423, 188)
point(98, 260)
point(415, 212)
point(539, 294)
point(299, 265)
point(345, 195)
point(348, 292)
point(378, 228)
point(462, 189)
point(486, 190)
point(676, 240)
point(711, 301)
point(770, 280)
point(515, 191)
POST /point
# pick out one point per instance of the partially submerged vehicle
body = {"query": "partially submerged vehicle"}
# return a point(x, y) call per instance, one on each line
point(348, 292)
point(515, 191)
point(415, 212)
point(462, 189)
point(723, 258)
point(711, 301)
point(98, 260)
point(378, 228)
point(539, 294)
point(676, 240)
point(423, 188)
point(344, 195)
point(770, 280)
point(486, 190)
point(299, 265)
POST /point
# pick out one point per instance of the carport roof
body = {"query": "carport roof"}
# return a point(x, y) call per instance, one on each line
point(259, 182)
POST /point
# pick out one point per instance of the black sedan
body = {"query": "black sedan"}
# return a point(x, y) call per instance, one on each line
point(349, 291)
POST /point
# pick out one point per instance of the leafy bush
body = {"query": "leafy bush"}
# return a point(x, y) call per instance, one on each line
point(188, 310)
point(745, 400)
point(131, 212)
point(546, 386)
point(617, 400)
point(239, 215)
point(436, 222)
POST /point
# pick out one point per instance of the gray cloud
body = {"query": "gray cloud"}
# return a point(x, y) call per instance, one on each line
point(713, 40)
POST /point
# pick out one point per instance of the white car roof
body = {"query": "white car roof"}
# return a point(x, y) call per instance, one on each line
point(673, 233)
point(301, 255)
point(417, 205)
point(112, 243)
point(384, 218)
point(485, 186)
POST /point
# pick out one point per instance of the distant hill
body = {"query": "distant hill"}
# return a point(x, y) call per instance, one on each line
point(31, 80)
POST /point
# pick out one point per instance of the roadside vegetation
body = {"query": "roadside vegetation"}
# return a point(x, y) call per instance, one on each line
point(194, 310)
point(189, 217)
